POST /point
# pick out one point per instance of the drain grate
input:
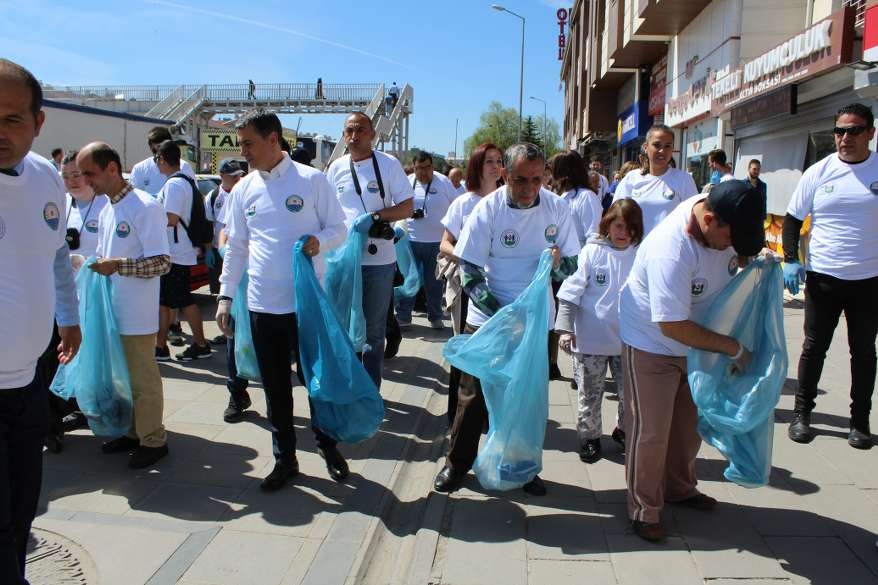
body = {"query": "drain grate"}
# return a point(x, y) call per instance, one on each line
point(55, 560)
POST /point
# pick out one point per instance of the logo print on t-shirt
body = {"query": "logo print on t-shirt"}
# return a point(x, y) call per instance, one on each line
point(91, 226)
point(146, 182)
point(433, 191)
point(668, 194)
point(294, 203)
point(123, 230)
point(51, 215)
point(874, 188)
point(551, 233)
point(509, 238)
point(372, 187)
point(828, 188)
point(251, 211)
point(699, 285)
point(340, 189)
point(600, 277)
point(733, 265)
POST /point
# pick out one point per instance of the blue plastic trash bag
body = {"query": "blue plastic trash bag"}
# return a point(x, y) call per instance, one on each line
point(508, 356)
point(245, 353)
point(98, 376)
point(736, 411)
point(344, 286)
point(405, 260)
point(345, 403)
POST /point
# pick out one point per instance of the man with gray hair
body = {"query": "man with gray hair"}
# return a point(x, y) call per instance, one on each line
point(499, 250)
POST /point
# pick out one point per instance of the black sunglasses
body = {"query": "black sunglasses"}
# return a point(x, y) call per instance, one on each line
point(852, 130)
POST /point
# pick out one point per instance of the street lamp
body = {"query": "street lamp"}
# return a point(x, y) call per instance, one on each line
point(545, 120)
point(500, 8)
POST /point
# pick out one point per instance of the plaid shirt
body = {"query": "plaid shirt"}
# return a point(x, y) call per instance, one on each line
point(140, 267)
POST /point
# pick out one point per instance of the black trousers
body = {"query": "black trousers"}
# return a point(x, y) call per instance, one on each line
point(470, 417)
point(276, 342)
point(826, 298)
point(24, 421)
point(454, 373)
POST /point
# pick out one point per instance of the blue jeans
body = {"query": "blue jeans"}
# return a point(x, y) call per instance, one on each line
point(377, 290)
point(237, 386)
point(425, 259)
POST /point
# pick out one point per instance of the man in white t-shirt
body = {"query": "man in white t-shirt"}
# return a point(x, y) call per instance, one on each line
point(373, 191)
point(270, 210)
point(596, 165)
point(840, 193)
point(146, 174)
point(178, 196)
point(680, 268)
point(719, 164)
point(133, 251)
point(455, 175)
point(433, 194)
point(37, 283)
point(499, 250)
point(230, 172)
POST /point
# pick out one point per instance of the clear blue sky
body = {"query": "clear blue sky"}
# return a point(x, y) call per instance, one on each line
point(459, 55)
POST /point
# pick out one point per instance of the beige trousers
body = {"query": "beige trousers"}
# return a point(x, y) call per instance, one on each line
point(146, 386)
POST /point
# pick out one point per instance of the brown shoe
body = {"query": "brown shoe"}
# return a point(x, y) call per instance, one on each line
point(698, 502)
point(653, 532)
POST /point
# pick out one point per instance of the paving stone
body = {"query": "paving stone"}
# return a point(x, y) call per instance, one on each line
point(637, 562)
point(242, 558)
point(186, 502)
point(565, 536)
point(557, 572)
point(821, 560)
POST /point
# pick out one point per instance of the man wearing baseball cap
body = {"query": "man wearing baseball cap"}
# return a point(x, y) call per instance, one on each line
point(230, 172)
point(680, 268)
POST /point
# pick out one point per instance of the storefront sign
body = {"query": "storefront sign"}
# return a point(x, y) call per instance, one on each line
point(701, 138)
point(776, 103)
point(870, 33)
point(562, 15)
point(632, 122)
point(824, 46)
point(658, 81)
point(694, 103)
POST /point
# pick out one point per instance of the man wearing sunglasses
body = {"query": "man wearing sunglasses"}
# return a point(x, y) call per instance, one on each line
point(840, 193)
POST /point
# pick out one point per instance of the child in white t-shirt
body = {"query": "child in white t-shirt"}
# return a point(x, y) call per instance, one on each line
point(588, 318)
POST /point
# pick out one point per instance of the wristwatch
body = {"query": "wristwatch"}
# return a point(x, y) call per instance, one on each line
point(222, 298)
point(376, 217)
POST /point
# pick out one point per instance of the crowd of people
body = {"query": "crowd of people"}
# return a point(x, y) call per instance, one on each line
point(636, 263)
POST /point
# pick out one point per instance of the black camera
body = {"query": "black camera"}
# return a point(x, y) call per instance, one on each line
point(72, 238)
point(382, 230)
point(418, 214)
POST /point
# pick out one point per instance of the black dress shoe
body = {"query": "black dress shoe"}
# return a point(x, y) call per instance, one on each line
point(649, 531)
point(554, 372)
point(448, 480)
point(74, 420)
point(146, 456)
point(55, 443)
point(279, 475)
point(800, 429)
point(335, 462)
point(590, 451)
point(535, 487)
point(391, 346)
point(860, 439)
point(619, 436)
point(120, 445)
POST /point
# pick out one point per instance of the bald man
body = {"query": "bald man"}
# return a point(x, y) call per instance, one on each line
point(455, 175)
point(133, 252)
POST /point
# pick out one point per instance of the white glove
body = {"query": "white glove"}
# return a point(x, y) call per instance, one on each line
point(566, 342)
point(224, 317)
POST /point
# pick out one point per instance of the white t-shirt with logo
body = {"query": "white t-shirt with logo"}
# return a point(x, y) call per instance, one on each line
point(458, 211)
point(397, 189)
point(176, 197)
point(83, 217)
point(215, 213)
point(134, 228)
point(267, 214)
point(31, 232)
point(657, 196)
point(435, 206)
point(587, 212)
point(507, 242)
point(842, 199)
point(674, 278)
point(594, 287)
point(146, 175)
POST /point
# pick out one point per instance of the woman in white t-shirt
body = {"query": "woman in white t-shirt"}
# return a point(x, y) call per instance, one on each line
point(658, 188)
point(588, 318)
point(83, 209)
point(483, 175)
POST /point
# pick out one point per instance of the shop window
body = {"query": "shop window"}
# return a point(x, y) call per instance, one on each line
point(699, 168)
point(820, 145)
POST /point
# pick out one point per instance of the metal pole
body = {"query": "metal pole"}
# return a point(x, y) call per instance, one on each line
point(456, 122)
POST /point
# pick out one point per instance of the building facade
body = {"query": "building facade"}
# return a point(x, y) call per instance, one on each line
point(760, 79)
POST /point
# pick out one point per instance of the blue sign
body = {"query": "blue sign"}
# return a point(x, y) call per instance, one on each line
point(632, 123)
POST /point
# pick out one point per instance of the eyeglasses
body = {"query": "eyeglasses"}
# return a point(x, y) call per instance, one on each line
point(71, 176)
point(852, 130)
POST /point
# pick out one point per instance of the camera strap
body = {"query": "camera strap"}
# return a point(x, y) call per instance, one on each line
point(356, 180)
point(426, 192)
point(75, 203)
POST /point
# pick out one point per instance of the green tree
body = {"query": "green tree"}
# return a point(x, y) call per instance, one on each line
point(498, 125)
point(530, 133)
point(551, 141)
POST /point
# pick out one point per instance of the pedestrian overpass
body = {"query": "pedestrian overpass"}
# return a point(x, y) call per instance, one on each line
point(191, 107)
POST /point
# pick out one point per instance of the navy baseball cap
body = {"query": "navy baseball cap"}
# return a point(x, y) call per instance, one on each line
point(232, 166)
point(739, 204)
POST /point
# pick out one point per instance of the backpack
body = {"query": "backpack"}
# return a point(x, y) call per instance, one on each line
point(199, 230)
